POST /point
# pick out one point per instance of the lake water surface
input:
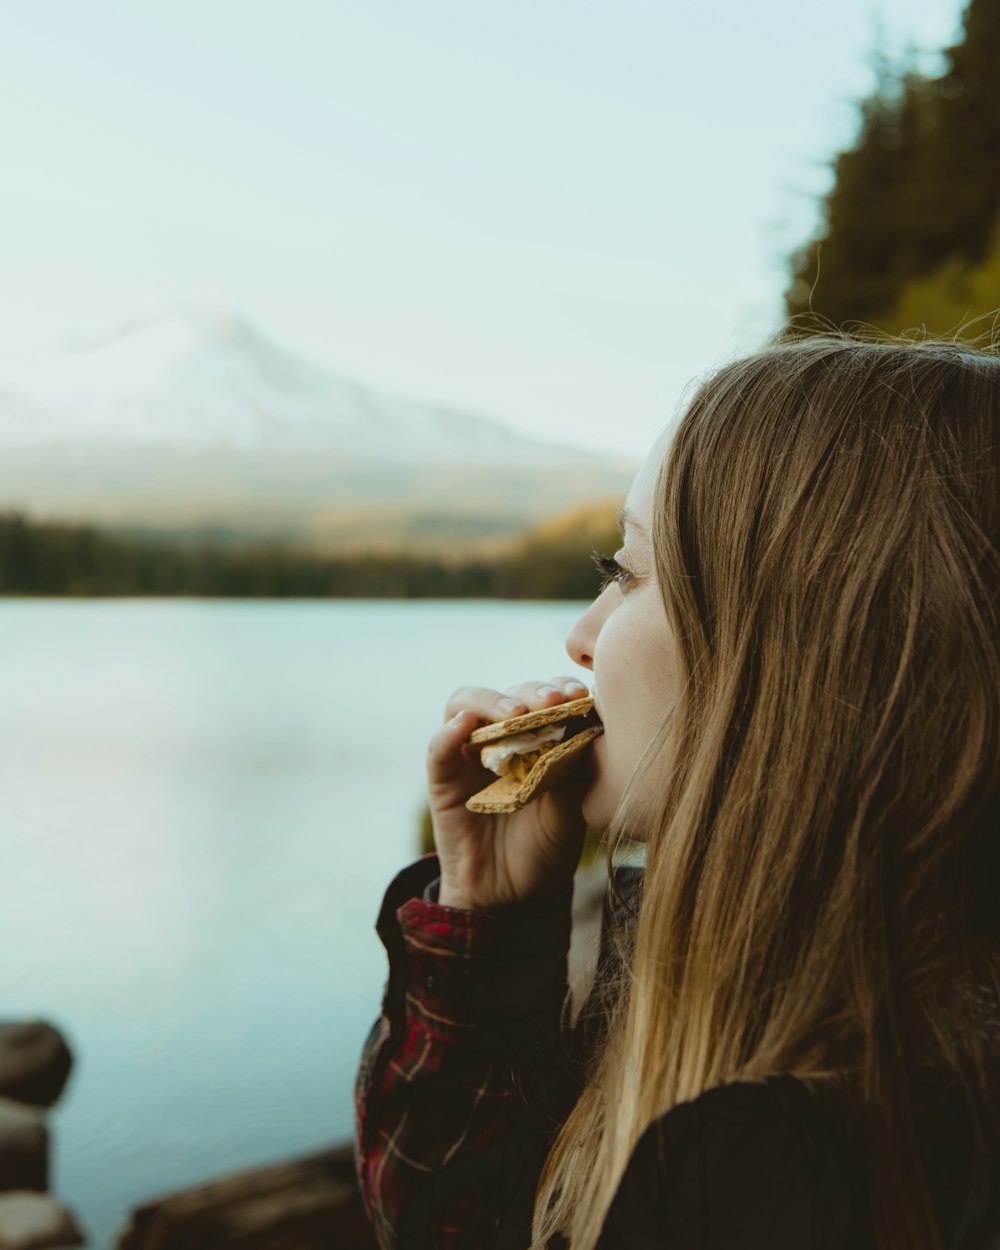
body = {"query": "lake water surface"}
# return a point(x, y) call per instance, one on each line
point(200, 806)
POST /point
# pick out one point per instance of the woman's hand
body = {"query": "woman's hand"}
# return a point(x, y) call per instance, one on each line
point(492, 860)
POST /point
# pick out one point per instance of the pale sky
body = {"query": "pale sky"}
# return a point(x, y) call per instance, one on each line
point(555, 212)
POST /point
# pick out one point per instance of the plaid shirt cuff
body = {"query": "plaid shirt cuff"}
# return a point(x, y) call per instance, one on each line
point(463, 1080)
point(465, 969)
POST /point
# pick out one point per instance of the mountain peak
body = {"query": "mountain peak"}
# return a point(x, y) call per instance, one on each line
point(196, 418)
point(178, 325)
point(196, 375)
point(201, 376)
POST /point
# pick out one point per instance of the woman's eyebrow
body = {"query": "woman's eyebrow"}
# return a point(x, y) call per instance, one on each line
point(626, 518)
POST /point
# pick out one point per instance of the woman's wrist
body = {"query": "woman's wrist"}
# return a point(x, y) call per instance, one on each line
point(452, 898)
point(450, 894)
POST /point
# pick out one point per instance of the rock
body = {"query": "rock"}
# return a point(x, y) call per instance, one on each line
point(34, 1062)
point(308, 1204)
point(30, 1221)
point(24, 1146)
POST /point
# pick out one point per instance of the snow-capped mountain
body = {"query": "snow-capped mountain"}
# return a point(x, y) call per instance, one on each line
point(196, 419)
point(205, 378)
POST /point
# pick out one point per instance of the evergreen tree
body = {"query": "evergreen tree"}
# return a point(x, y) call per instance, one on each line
point(921, 185)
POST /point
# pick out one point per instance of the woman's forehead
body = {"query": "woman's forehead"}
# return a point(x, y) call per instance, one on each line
point(638, 510)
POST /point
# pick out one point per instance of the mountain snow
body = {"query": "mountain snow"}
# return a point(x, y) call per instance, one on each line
point(205, 379)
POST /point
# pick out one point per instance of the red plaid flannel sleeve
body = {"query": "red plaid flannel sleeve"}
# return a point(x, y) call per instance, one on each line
point(463, 1081)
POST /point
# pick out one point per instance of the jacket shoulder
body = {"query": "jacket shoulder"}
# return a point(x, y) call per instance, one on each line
point(753, 1164)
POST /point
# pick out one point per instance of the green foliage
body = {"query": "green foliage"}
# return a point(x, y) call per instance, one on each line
point(553, 561)
point(957, 300)
point(57, 559)
point(425, 833)
point(918, 194)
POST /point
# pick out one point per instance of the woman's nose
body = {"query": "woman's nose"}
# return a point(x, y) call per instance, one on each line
point(582, 638)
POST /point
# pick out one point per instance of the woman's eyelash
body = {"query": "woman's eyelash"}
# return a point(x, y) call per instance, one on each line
point(611, 571)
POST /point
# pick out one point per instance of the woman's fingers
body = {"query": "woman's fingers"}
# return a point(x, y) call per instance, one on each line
point(548, 693)
point(494, 705)
point(572, 686)
point(488, 705)
point(445, 760)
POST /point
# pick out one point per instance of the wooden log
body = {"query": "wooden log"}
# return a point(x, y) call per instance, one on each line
point(307, 1204)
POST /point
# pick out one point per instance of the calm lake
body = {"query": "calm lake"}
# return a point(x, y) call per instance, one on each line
point(200, 806)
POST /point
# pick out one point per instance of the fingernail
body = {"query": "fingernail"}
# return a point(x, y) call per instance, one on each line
point(509, 705)
point(547, 690)
point(574, 685)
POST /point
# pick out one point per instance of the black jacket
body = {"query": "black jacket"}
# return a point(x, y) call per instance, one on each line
point(468, 1074)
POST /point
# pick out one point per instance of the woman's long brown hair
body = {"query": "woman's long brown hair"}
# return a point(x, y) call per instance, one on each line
point(820, 809)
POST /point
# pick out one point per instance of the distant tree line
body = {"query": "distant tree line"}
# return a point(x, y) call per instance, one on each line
point(48, 558)
point(910, 236)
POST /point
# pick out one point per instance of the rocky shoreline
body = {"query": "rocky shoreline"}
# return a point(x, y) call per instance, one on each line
point(307, 1204)
point(310, 1203)
point(313, 1203)
point(35, 1063)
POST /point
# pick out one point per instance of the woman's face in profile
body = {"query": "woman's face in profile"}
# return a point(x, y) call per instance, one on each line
point(624, 639)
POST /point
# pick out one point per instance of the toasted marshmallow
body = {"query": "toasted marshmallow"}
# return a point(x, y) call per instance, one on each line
point(499, 756)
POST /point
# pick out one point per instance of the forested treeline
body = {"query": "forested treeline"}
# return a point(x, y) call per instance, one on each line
point(47, 558)
point(911, 227)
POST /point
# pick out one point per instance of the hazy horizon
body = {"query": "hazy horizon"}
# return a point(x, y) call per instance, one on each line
point(555, 215)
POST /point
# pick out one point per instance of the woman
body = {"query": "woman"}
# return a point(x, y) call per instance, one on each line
point(793, 1039)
